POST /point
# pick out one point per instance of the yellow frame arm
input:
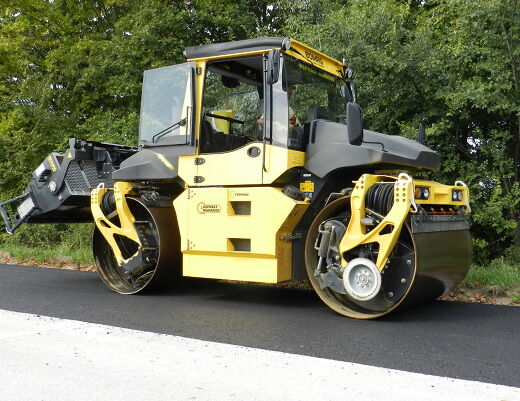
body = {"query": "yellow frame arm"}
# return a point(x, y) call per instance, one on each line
point(356, 234)
point(126, 218)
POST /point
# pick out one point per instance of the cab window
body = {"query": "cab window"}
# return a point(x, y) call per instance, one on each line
point(166, 105)
point(312, 94)
point(232, 104)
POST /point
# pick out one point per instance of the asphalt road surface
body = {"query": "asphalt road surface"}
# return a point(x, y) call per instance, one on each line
point(464, 341)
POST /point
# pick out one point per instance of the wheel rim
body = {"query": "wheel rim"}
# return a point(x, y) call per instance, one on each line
point(361, 279)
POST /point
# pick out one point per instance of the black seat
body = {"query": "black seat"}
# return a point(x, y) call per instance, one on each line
point(207, 140)
point(212, 141)
point(315, 112)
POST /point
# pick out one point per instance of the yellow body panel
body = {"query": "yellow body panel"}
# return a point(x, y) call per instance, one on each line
point(231, 268)
point(187, 168)
point(440, 194)
point(237, 233)
point(238, 168)
point(278, 160)
point(315, 58)
point(231, 168)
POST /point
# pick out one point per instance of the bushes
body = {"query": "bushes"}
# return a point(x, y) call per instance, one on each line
point(51, 236)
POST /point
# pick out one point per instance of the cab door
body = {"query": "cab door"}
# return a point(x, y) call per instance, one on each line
point(232, 123)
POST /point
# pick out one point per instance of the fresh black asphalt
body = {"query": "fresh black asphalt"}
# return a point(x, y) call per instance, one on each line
point(458, 340)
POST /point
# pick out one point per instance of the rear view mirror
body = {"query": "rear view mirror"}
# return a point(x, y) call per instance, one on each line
point(273, 66)
point(354, 124)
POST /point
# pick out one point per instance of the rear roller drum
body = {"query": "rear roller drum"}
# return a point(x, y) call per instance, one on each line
point(156, 262)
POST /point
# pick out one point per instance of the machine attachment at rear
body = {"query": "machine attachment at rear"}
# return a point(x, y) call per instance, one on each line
point(59, 190)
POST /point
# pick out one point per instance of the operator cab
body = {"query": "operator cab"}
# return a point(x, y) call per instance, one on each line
point(238, 105)
point(267, 105)
point(311, 94)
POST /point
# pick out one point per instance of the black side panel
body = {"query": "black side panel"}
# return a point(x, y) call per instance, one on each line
point(329, 149)
point(160, 163)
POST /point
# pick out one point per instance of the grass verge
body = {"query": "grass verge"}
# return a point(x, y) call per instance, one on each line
point(59, 257)
point(504, 276)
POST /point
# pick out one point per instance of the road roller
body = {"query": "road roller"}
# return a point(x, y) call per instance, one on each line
point(253, 165)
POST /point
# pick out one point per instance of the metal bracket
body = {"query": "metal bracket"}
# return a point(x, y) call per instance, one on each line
point(107, 228)
point(333, 281)
point(12, 224)
point(337, 195)
point(406, 178)
point(356, 232)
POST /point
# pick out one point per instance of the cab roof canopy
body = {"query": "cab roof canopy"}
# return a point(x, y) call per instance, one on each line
point(243, 47)
point(235, 47)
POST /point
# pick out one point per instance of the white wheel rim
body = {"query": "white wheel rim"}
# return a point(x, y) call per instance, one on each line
point(362, 279)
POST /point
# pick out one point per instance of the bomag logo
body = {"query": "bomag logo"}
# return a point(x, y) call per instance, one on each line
point(203, 208)
point(314, 58)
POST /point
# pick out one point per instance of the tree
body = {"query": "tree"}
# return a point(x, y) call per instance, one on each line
point(74, 69)
point(453, 64)
point(70, 68)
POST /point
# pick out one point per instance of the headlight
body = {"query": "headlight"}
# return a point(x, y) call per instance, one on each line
point(422, 193)
point(456, 195)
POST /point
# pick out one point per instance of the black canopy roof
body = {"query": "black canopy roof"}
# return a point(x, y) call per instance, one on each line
point(237, 46)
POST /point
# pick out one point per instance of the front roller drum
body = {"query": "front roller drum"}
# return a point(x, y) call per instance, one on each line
point(157, 264)
point(422, 267)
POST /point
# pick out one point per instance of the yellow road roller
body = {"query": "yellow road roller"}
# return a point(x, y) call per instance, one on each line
point(253, 165)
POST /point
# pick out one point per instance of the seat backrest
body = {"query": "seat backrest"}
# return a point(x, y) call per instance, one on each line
point(315, 112)
point(206, 137)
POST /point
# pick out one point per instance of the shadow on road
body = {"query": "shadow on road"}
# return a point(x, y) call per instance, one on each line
point(266, 295)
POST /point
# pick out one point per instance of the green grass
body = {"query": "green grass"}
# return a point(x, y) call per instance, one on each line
point(60, 255)
point(499, 274)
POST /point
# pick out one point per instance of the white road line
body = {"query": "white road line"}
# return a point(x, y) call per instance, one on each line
point(43, 358)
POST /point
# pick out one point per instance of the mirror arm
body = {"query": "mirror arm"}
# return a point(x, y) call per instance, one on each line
point(352, 91)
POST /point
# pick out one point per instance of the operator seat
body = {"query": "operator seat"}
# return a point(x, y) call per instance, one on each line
point(315, 112)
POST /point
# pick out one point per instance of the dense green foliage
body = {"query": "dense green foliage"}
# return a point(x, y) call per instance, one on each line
point(71, 68)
